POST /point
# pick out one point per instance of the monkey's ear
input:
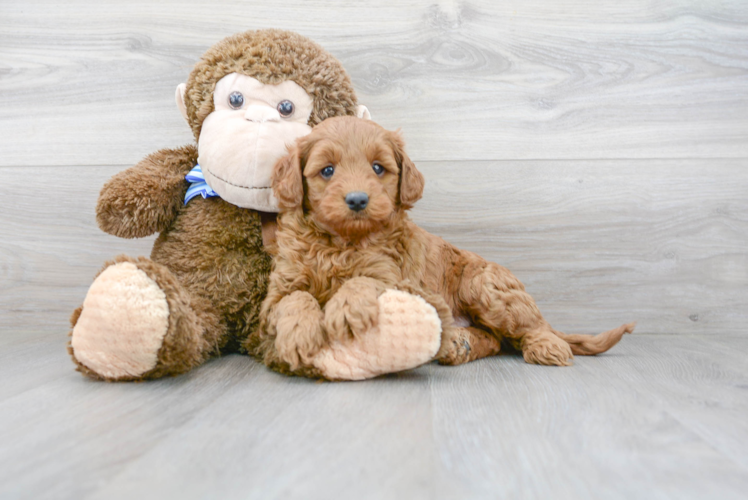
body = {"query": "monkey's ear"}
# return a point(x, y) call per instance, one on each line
point(179, 96)
point(287, 184)
point(363, 112)
point(411, 180)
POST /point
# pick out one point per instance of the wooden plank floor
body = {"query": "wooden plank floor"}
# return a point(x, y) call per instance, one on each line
point(661, 416)
point(596, 148)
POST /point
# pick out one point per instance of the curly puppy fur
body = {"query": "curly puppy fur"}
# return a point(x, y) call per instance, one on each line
point(209, 257)
point(325, 247)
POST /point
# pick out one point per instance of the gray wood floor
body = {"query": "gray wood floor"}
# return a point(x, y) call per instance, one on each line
point(599, 149)
point(662, 416)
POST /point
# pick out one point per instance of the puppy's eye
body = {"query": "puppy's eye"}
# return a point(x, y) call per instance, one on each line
point(378, 169)
point(236, 99)
point(327, 172)
point(285, 108)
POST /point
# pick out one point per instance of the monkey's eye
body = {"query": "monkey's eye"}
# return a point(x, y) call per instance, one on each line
point(327, 172)
point(236, 99)
point(378, 169)
point(285, 108)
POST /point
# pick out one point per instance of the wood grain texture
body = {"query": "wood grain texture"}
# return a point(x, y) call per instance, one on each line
point(658, 417)
point(597, 243)
point(53, 247)
point(92, 83)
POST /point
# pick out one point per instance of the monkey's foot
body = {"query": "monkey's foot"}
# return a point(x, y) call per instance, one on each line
point(406, 335)
point(121, 327)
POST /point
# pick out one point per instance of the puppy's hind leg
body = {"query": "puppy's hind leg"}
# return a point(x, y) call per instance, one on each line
point(460, 341)
point(466, 344)
point(496, 300)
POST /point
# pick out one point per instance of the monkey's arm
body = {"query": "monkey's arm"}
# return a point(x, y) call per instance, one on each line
point(144, 199)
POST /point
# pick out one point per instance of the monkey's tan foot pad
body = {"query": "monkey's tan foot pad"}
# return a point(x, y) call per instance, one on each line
point(407, 335)
point(123, 323)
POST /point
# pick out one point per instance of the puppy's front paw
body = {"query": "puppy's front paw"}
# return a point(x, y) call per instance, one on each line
point(298, 329)
point(354, 309)
point(546, 349)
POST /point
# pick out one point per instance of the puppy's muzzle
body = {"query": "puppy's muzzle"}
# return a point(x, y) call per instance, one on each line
point(357, 200)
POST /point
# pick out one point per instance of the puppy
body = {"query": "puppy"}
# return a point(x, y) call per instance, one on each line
point(344, 191)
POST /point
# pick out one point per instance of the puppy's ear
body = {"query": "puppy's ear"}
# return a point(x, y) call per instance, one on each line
point(287, 184)
point(411, 180)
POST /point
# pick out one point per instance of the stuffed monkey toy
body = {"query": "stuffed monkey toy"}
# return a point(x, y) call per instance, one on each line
point(199, 293)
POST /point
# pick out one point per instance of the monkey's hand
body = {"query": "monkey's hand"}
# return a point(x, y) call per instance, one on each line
point(373, 330)
point(145, 199)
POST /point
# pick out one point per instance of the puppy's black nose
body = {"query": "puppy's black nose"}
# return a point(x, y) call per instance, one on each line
point(357, 200)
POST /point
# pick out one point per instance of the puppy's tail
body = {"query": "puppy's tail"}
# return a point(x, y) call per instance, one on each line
point(589, 345)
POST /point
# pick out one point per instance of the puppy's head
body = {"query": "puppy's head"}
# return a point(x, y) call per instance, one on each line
point(350, 174)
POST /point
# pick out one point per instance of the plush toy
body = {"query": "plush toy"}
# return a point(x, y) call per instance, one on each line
point(199, 293)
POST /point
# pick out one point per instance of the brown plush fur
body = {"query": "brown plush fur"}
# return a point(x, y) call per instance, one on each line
point(145, 199)
point(209, 258)
point(332, 262)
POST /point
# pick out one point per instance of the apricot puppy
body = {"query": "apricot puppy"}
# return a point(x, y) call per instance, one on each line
point(344, 236)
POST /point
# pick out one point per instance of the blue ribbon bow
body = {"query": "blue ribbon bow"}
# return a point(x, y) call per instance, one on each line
point(198, 186)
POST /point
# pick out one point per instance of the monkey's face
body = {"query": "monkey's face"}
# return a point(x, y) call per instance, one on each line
point(247, 133)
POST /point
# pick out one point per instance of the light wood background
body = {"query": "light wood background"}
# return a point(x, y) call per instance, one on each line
point(599, 149)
